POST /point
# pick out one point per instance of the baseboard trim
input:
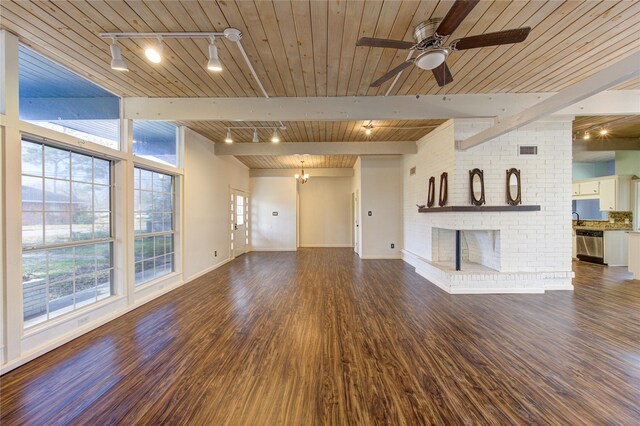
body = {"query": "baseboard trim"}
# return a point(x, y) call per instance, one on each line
point(66, 338)
point(382, 257)
point(326, 246)
point(275, 249)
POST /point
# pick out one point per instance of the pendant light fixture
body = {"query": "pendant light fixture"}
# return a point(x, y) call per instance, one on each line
point(214, 62)
point(275, 138)
point(255, 136)
point(228, 139)
point(303, 177)
point(117, 63)
point(154, 52)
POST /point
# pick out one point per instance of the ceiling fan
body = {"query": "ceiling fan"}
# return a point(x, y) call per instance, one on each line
point(430, 37)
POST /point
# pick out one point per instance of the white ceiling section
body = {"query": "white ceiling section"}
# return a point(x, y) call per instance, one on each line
point(304, 52)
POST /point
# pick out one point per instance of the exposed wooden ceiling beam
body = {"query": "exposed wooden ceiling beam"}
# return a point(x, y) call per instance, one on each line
point(318, 148)
point(618, 102)
point(611, 76)
point(611, 144)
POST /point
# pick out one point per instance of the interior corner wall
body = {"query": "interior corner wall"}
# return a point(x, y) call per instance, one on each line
point(436, 152)
point(627, 163)
point(325, 212)
point(208, 180)
point(268, 231)
point(381, 194)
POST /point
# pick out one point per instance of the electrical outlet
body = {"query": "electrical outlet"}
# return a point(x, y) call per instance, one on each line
point(83, 320)
point(393, 245)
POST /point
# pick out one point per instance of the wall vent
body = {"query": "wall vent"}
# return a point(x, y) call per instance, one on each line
point(528, 150)
point(412, 171)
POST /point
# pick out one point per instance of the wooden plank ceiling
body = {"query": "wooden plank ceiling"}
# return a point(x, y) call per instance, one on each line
point(318, 131)
point(307, 48)
point(618, 126)
point(293, 161)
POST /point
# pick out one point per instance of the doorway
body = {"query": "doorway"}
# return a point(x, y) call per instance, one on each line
point(356, 221)
point(239, 237)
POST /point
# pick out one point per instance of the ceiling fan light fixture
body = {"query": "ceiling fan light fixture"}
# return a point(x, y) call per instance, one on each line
point(117, 63)
point(214, 63)
point(228, 139)
point(154, 52)
point(431, 59)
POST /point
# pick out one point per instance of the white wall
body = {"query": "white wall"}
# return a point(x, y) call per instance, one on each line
point(381, 194)
point(325, 212)
point(356, 188)
point(207, 183)
point(268, 195)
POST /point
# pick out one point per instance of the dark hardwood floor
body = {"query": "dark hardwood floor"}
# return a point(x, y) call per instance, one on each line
point(320, 337)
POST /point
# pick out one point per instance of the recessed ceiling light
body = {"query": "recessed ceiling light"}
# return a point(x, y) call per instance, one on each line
point(154, 53)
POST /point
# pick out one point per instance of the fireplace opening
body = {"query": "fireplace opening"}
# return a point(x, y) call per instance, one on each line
point(468, 251)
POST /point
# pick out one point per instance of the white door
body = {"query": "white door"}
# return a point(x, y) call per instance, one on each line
point(356, 223)
point(239, 222)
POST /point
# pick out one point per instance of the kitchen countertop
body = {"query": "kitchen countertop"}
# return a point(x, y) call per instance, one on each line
point(590, 228)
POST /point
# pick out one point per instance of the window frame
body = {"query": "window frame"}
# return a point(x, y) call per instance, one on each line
point(152, 166)
point(48, 247)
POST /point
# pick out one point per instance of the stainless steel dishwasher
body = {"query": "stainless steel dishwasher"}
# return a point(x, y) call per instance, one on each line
point(590, 245)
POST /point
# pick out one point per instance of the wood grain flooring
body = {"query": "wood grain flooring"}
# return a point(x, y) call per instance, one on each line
point(321, 337)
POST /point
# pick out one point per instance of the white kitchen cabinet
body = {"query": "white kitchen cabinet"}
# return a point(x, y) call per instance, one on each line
point(576, 189)
point(613, 192)
point(590, 187)
point(616, 248)
point(634, 254)
point(608, 195)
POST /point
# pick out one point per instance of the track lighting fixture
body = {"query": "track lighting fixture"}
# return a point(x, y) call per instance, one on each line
point(228, 139)
point(368, 129)
point(255, 136)
point(603, 131)
point(117, 63)
point(154, 52)
point(275, 138)
point(214, 62)
point(586, 136)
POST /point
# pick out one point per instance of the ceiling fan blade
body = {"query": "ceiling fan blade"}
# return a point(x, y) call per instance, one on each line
point(455, 16)
point(391, 73)
point(383, 42)
point(491, 39)
point(442, 73)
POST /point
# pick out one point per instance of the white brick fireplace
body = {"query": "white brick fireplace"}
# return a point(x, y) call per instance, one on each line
point(502, 252)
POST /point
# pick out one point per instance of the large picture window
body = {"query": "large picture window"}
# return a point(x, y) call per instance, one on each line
point(154, 224)
point(67, 260)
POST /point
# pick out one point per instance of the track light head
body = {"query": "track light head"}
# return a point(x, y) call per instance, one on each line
point(154, 52)
point(368, 129)
point(228, 139)
point(275, 138)
point(603, 131)
point(586, 136)
point(117, 63)
point(214, 62)
point(255, 136)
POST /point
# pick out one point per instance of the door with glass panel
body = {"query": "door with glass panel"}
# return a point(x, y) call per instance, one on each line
point(239, 222)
